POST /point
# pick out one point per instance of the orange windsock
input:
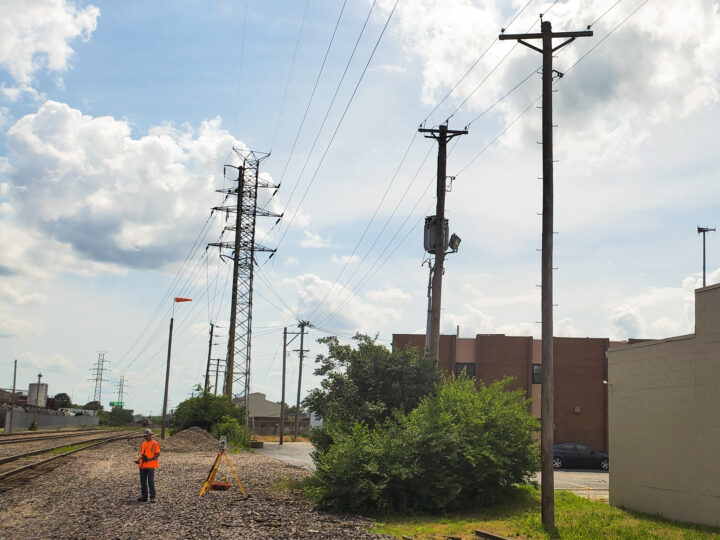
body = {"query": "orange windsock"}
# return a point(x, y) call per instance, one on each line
point(178, 299)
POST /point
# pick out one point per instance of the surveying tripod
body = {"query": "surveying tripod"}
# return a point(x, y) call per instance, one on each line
point(213, 470)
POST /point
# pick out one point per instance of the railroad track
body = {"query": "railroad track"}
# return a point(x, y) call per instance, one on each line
point(17, 438)
point(6, 472)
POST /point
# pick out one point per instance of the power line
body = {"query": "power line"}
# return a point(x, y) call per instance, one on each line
point(342, 117)
point(290, 71)
point(307, 107)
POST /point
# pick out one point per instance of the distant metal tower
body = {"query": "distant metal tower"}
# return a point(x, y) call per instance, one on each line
point(243, 254)
point(121, 390)
point(98, 369)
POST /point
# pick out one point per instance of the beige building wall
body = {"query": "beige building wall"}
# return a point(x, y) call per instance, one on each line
point(258, 405)
point(664, 415)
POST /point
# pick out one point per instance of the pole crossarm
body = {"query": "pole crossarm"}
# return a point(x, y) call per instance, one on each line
point(447, 134)
point(539, 35)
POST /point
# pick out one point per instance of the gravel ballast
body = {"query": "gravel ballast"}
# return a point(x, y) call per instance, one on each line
point(93, 495)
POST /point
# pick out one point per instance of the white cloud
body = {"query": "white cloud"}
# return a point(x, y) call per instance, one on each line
point(86, 182)
point(519, 329)
point(657, 67)
point(626, 321)
point(291, 261)
point(50, 363)
point(389, 294)
point(36, 35)
point(314, 240)
point(345, 259)
point(564, 327)
point(337, 307)
point(472, 321)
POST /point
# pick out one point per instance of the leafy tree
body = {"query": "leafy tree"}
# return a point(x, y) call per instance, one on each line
point(62, 401)
point(93, 406)
point(366, 383)
point(237, 434)
point(204, 411)
point(460, 447)
point(116, 417)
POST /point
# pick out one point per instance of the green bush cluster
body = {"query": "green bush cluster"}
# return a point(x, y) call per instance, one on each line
point(236, 433)
point(214, 414)
point(460, 447)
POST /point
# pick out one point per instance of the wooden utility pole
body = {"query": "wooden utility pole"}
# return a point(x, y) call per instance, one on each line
point(547, 478)
point(12, 399)
point(442, 135)
point(207, 368)
point(167, 379)
point(282, 394)
point(302, 351)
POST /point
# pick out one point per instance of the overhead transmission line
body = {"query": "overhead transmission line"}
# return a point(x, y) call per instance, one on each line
point(290, 72)
point(342, 117)
point(240, 69)
point(191, 253)
point(312, 96)
point(473, 65)
point(591, 49)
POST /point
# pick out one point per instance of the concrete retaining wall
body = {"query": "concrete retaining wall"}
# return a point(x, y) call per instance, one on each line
point(23, 419)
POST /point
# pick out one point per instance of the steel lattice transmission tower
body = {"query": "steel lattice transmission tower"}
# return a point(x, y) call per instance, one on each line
point(98, 369)
point(248, 182)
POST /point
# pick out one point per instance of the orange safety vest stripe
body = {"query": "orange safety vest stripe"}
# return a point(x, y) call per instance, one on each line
point(149, 451)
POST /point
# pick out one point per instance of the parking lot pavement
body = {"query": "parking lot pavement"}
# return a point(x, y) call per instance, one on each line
point(592, 484)
point(295, 453)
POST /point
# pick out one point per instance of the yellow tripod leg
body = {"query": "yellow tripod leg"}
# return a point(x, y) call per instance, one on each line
point(211, 475)
point(235, 475)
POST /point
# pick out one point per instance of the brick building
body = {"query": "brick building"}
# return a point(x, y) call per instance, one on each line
point(580, 367)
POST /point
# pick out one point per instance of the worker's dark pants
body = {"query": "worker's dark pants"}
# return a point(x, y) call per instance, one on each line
point(147, 480)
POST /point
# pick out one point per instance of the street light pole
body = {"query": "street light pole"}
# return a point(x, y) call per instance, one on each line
point(704, 231)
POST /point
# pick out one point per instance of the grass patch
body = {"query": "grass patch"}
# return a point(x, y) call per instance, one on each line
point(288, 484)
point(69, 448)
point(575, 517)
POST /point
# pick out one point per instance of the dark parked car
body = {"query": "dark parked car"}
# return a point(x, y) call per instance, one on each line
point(579, 455)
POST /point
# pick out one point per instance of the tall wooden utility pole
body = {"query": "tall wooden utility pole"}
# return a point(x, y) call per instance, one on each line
point(167, 380)
point(281, 430)
point(302, 351)
point(207, 368)
point(12, 400)
point(442, 135)
point(547, 479)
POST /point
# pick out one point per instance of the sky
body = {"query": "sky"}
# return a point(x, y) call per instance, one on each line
point(116, 119)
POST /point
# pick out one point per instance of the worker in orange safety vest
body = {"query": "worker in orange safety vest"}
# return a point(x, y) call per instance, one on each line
point(148, 462)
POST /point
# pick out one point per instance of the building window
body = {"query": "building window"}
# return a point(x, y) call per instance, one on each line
point(537, 374)
point(469, 369)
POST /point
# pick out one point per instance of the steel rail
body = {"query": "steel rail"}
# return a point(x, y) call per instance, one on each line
point(64, 454)
point(24, 439)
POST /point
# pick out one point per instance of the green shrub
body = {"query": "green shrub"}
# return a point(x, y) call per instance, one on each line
point(460, 447)
point(204, 411)
point(237, 434)
point(33, 426)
